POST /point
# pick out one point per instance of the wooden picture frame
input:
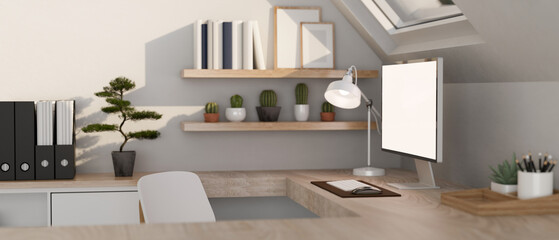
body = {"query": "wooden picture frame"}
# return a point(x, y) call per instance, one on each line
point(317, 45)
point(287, 34)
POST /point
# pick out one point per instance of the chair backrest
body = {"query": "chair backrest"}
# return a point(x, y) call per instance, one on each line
point(174, 197)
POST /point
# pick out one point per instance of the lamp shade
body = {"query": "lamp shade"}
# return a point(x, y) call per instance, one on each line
point(343, 93)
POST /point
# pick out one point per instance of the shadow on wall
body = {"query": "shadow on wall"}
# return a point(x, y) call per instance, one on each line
point(86, 149)
point(165, 57)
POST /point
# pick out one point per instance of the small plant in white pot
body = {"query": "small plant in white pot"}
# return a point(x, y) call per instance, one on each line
point(504, 178)
point(301, 100)
point(236, 113)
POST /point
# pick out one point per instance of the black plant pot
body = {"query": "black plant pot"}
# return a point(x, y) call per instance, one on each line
point(123, 163)
point(268, 114)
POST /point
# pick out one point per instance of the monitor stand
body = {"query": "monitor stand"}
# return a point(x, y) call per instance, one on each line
point(426, 177)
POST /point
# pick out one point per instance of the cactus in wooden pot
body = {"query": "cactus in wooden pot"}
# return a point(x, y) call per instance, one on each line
point(327, 114)
point(301, 109)
point(212, 112)
point(268, 112)
point(236, 113)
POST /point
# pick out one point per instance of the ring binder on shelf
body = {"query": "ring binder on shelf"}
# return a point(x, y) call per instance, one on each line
point(7, 138)
point(24, 140)
point(44, 151)
point(64, 150)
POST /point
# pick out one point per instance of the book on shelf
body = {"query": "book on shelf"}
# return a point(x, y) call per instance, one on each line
point(217, 44)
point(247, 45)
point(222, 44)
point(198, 45)
point(237, 43)
point(227, 45)
point(209, 42)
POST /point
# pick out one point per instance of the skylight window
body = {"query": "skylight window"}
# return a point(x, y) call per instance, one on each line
point(406, 13)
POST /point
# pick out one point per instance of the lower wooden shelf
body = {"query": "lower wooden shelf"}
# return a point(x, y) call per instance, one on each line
point(273, 126)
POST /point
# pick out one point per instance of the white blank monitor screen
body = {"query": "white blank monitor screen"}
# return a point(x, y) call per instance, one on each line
point(409, 110)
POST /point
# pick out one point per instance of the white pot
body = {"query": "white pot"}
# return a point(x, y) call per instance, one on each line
point(302, 112)
point(235, 114)
point(503, 188)
point(534, 184)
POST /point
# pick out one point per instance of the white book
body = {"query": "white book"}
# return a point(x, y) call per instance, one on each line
point(247, 45)
point(197, 50)
point(217, 44)
point(258, 51)
point(64, 122)
point(45, 123)
point(237, 37)
point(210, 44)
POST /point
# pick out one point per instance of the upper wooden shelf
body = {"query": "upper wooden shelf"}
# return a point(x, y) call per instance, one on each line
point(273, 126)
point(278, 73)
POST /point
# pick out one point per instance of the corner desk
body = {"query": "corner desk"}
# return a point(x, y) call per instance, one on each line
point(417, 214)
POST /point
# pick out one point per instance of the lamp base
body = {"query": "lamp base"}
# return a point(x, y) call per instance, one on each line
point(368, 171)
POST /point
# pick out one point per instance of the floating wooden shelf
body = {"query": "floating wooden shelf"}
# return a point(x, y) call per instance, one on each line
point(273, 126)
point(278, 73)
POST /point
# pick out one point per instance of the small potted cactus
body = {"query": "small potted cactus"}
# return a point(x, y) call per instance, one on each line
point(301, 100)
point(212, 112)
point(504, 178)
point(236, 113)
point(327, 114)
point(268, 112)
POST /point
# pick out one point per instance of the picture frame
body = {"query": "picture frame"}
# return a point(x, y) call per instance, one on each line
point(317, 45)
point(287, 34)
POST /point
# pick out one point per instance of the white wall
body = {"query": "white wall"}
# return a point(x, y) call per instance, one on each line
point(63, 49)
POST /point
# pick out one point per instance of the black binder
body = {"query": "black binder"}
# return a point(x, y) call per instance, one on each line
point(44, 162)
point(65, 148)
point(7, 144)
point(25, 140)
point(44, 151)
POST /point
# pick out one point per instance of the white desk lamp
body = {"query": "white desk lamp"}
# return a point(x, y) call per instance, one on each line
point(345, 94)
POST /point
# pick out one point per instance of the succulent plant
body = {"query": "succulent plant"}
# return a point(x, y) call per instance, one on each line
point(301, 93)
point(327, 107)
point(268, 98)
point(505, 173)
point(236, 101)
point(212, 107)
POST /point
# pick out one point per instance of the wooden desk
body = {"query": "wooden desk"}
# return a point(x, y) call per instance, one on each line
point(415, 215)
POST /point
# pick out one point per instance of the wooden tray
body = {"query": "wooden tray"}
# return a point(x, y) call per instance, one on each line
point(485, 202)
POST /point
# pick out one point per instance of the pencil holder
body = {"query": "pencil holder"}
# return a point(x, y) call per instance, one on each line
point(534, 184)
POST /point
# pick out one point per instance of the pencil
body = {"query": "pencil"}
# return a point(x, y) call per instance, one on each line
point(519, 165)
point(526, 163)
point(540, 161)
point(552, 165)
point(545, 166)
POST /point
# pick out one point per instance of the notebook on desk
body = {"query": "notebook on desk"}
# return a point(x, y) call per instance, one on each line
point(332, 186)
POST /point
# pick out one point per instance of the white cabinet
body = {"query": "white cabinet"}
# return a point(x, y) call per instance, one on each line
point(94, 208)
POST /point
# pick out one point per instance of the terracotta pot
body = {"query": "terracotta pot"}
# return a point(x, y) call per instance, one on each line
point(327, 116)
point(211, 117)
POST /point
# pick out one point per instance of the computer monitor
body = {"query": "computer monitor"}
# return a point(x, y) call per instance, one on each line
point(412, 115)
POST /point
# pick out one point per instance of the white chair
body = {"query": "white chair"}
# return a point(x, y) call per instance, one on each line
point(174, 197)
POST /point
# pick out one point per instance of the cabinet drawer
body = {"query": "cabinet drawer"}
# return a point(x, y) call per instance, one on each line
point(94, 208)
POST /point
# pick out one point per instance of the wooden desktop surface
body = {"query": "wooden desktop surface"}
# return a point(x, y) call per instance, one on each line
point(418, 214)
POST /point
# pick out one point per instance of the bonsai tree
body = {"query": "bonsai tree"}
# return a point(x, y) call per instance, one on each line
point(114, 95)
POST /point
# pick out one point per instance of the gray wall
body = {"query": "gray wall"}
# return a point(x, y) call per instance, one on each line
point(500, 97)
point(70, 49)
